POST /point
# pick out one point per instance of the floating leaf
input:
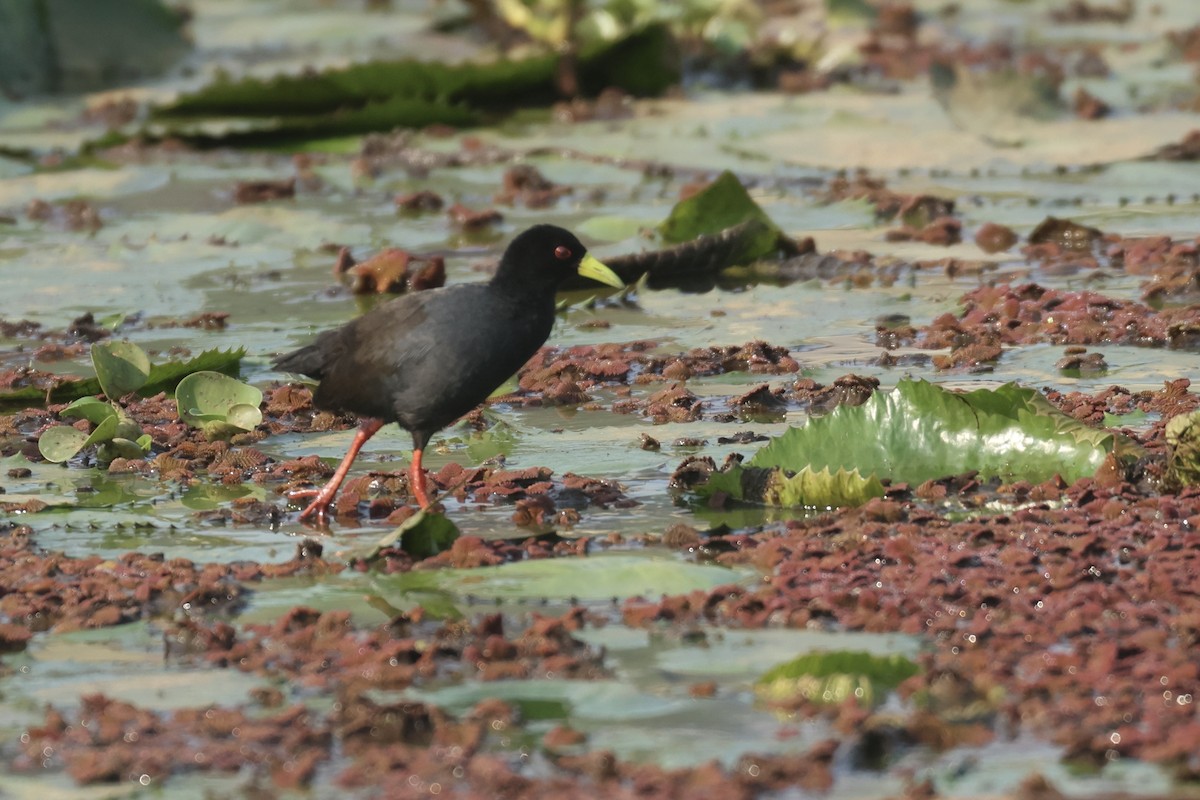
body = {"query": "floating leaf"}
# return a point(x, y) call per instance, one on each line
point(915, 433)
point(127, 428)
point(595, 578)
point(119, 447)
point(163, 377)
point(422, 535)
point(723, 204)
point(115, 434)
point(103, 432)
point(383, 95)
point(61, 442)
point(92, 409)
point(244, 415)
point(218, 404)
point(121, 368)
point(808, 487)
point(832, 677)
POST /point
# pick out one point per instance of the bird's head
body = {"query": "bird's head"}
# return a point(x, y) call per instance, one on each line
point(548, 255)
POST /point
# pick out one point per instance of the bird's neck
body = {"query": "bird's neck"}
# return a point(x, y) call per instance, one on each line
point(525, 291)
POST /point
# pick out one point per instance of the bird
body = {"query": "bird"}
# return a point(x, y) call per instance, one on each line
point(423, 360)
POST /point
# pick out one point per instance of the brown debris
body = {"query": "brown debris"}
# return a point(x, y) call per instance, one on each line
point(1186, 42)
point(422, 200)
point(1087, 106)
point(51, 591)
point(72, 215)
point(471, 220)
point(761, 399)
point(392, 270)
point(1079, 359)
point(1015, 315)
point(681, 536)
point(913, 211)
point(993, 238)
point(1065, 234)
point(1186, 150)
point(264, 191)
point(593, 365)
point(943, 231)
point(851, 390)
point(525, 184)
point(1077, 12)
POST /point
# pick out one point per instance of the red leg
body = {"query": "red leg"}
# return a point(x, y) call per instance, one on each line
point(416, 479)
point(366, 429)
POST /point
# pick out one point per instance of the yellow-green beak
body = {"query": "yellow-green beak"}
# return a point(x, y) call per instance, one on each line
point(592, 268)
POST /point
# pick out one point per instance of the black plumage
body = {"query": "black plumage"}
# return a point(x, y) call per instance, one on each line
point(423, 360)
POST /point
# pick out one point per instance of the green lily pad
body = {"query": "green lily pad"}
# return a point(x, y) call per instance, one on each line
point(422, 535)
point(915, 433)
point(119, 447)
point(382, 95)
point(723, 204)
point(808, 487)
point(127, 429)
point(218, 404)
point(597, 578)
point(833, 677)
point(61, 443)
point(121, 367)
point(246, 416)
point(104, 432)
point(93, 409)
point(163, 377)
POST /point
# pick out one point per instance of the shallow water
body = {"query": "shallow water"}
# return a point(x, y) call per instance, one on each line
point(173, 245)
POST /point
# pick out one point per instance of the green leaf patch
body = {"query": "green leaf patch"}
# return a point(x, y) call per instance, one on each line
point(918, 432)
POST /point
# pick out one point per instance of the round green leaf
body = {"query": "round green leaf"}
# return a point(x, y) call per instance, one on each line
point(124, 448)
point(215, 429)
point(121, 367)
point(60, 443)
point(244, 416)
point(103, 432)
point(127, 429)
point(92, 409)
point(833, 677)
point(209, 396)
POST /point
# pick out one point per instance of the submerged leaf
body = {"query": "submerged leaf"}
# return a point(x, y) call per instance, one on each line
point(1183, 436)
point(915, 433)
point(832, 677)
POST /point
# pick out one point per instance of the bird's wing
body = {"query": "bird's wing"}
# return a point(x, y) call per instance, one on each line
point(397, 337)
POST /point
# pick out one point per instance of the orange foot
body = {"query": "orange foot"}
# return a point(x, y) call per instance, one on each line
point(319, 507)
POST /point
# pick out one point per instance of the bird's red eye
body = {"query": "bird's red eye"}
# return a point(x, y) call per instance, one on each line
point(562, 253)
